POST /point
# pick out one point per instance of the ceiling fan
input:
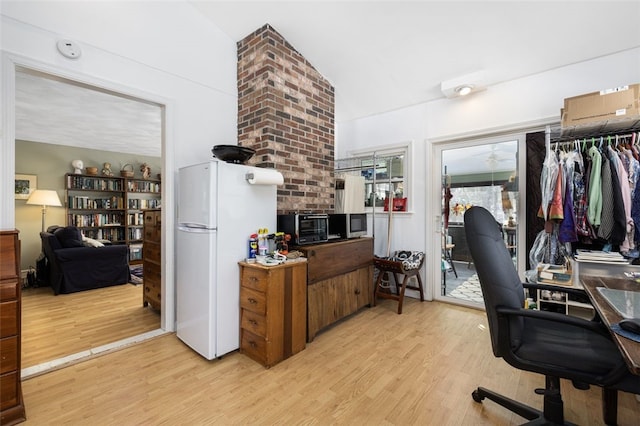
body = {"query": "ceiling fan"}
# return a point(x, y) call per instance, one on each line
point(493, 159)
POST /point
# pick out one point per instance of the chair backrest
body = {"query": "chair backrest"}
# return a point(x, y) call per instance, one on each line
point(501, 285)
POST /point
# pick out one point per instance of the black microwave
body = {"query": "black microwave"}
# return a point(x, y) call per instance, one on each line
point(305, 228)
point(348, 225)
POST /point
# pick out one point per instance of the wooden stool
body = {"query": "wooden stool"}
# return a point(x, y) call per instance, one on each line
point(394, 268)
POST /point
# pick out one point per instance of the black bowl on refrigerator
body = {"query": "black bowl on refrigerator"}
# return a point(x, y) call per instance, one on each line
point(233, 153)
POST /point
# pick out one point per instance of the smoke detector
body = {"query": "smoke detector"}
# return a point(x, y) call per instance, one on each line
point(69, 49)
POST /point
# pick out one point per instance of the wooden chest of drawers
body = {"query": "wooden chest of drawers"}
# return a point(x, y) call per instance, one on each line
point(273, 311)
point(11, 404)
point(152, 259)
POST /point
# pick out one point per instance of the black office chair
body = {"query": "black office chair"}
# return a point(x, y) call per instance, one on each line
point(553, 344)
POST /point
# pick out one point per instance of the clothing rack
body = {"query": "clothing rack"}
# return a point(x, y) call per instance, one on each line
point(570, 135)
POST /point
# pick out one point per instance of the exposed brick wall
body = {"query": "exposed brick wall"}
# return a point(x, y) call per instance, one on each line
point(286, 113)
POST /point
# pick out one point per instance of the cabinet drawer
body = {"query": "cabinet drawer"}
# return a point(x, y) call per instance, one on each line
point(8, 318)
point(9, 390)
point(152, 292)
point(153, 218)
point(151, 251)
point(8, 354)
point(151, 233)
point(255, 278)
point(252, 300)
point(9, 260)
point(334, 259)
point(151, 271)
point(254, 322)
point(9, 290)
point(254, 346)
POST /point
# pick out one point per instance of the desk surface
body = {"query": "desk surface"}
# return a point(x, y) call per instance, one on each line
point(630, 349)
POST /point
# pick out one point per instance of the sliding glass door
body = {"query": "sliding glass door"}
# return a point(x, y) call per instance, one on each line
point(474, 173)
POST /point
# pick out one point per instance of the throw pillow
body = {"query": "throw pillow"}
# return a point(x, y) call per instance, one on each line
point(69, 236)
point(90, 242)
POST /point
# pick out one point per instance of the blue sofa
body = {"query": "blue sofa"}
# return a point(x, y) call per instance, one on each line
point(73, 266)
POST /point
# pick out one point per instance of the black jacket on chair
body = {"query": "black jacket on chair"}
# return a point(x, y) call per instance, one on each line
point(553, 344)
point(75, 267)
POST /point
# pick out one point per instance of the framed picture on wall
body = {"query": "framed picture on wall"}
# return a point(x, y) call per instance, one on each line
point(25, 185)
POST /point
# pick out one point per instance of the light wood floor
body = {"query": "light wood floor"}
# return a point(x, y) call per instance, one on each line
point(56, 326)
point(375, 368)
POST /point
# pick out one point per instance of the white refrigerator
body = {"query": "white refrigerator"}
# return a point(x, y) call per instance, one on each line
point(218, 210)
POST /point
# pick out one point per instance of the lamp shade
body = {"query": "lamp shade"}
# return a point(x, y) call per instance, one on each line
point(44, 197)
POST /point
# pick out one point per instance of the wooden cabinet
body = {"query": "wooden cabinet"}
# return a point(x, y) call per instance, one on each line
point(11, 404)
point(273, 310)
point(340, 281)
point(111, 208)
point(152, 259)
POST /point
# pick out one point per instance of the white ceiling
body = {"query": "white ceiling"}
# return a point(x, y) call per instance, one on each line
point(57, 111)
point(379, 56)
point(385, 55)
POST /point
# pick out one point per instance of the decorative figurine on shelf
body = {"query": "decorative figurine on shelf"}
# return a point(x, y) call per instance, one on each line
point(146, 170)
point(106, 170)
point(77, 165)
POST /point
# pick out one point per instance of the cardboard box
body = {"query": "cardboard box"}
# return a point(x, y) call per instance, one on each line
point(609, 109)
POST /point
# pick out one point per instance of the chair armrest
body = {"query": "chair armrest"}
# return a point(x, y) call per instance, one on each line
point(557, 317)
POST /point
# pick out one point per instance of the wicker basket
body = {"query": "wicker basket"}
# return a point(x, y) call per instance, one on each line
point(127, 171)
point(93, 171)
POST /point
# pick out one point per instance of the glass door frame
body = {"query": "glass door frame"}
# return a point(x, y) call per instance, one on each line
point(434, 234)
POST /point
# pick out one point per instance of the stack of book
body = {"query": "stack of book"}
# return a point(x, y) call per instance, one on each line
point(597, 256)
point(555, 274)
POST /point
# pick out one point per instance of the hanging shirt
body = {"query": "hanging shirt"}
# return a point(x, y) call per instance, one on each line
point(623, 216)
point(618, 233)
point(567, 229)
point(606, 223)
point(594, 197)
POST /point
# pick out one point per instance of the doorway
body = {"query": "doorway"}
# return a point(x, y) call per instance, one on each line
point(481, 172)
point(120, 94)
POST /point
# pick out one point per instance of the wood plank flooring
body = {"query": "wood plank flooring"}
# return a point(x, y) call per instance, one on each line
point(56, 326)
point(374, 368)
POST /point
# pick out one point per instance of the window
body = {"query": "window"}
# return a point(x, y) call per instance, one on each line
point(383, 173)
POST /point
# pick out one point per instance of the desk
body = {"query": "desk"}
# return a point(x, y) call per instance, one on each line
point(630, 350)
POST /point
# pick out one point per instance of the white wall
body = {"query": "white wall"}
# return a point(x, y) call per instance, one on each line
point(513, 104)
point(165, 52)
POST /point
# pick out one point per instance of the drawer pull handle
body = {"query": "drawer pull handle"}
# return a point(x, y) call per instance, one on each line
point(357, 291)
point(253, 322)
point(253, 301)
point(252, 344)
point(253, 279)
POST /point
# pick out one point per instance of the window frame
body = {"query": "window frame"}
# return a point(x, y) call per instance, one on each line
point(404, 149)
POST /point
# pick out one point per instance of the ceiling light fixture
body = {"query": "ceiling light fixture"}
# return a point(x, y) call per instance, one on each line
point(464, 85)
point(464, 89)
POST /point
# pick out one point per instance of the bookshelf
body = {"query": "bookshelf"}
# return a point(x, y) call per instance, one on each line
point(111, 208)
point(140, 195)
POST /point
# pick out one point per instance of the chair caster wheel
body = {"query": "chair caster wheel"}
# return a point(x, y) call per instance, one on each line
point(476, 396)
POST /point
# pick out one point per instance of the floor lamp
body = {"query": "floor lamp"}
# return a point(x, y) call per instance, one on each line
point(44, 198)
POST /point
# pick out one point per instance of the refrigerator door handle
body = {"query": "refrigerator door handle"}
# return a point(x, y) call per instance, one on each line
point(193, 227)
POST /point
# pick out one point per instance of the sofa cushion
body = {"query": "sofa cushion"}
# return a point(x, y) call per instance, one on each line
point(69, 236)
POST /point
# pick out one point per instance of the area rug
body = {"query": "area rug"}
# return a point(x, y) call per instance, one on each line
point(136, 274)
point(469, 290)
